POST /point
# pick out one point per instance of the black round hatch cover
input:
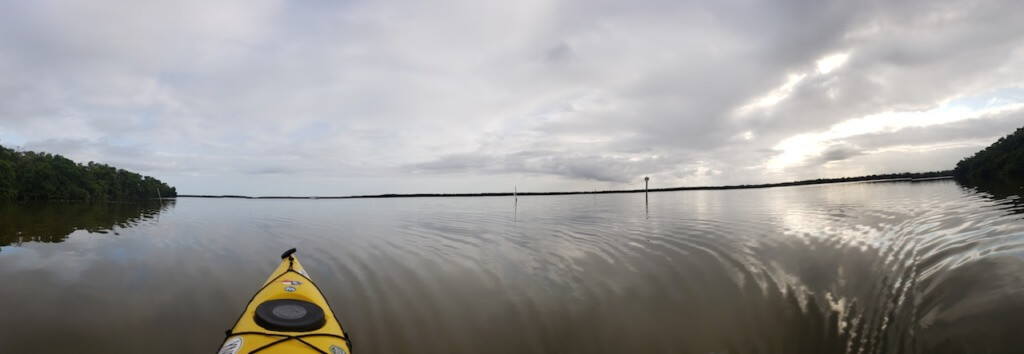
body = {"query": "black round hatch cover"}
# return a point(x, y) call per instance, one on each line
point(290, 316)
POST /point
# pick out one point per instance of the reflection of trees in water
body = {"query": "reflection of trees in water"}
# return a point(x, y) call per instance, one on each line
point(1004, 192)
point(54, 221)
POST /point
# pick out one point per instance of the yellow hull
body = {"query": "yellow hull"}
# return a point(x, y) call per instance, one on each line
point(287, 315)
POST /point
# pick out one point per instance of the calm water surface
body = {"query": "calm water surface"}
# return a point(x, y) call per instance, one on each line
point(857, 268)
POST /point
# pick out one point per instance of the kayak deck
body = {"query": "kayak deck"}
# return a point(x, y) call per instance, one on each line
point(288, 314)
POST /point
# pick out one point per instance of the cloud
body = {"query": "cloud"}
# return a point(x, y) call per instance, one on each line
point(559, 52)
point(986, 129)
point(616, 169)
point(837, 152)
point(581, 92)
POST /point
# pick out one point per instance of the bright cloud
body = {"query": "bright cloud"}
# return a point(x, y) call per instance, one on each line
point(775, 96)
point(829, 63)
point(802, 148)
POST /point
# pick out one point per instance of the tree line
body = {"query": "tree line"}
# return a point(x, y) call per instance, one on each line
point(1001, 161)
point(28, 175)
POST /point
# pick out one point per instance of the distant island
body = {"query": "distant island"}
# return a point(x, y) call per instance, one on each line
point(30, 176)
point(1002, 161)
point(893, 177)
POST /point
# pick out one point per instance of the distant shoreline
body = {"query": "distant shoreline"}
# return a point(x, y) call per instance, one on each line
point(895, 177)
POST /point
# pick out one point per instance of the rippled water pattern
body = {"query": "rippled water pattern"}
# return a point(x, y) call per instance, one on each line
point(857, 268)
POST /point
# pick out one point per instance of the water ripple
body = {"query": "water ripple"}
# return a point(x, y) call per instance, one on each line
point(853, 268)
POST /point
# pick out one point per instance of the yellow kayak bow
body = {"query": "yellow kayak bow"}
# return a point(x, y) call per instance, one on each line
point(289, 315)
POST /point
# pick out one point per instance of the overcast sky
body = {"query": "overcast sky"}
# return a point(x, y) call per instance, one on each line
point(302, 97)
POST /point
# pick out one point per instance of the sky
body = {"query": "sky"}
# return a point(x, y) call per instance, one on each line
point(312, 97)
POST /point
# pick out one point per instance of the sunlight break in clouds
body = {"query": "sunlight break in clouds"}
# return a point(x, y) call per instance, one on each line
point(824, 66)
point(774, 97)
point(827, 64)
point(799, 149)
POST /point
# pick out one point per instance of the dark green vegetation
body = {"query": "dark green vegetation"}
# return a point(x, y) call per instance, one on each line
point(27, 176)
point(54, 221)
point(1001, 161)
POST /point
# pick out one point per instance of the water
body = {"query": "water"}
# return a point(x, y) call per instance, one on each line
point(926, 267)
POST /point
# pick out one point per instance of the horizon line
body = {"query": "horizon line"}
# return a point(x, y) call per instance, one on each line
point(891, 177)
